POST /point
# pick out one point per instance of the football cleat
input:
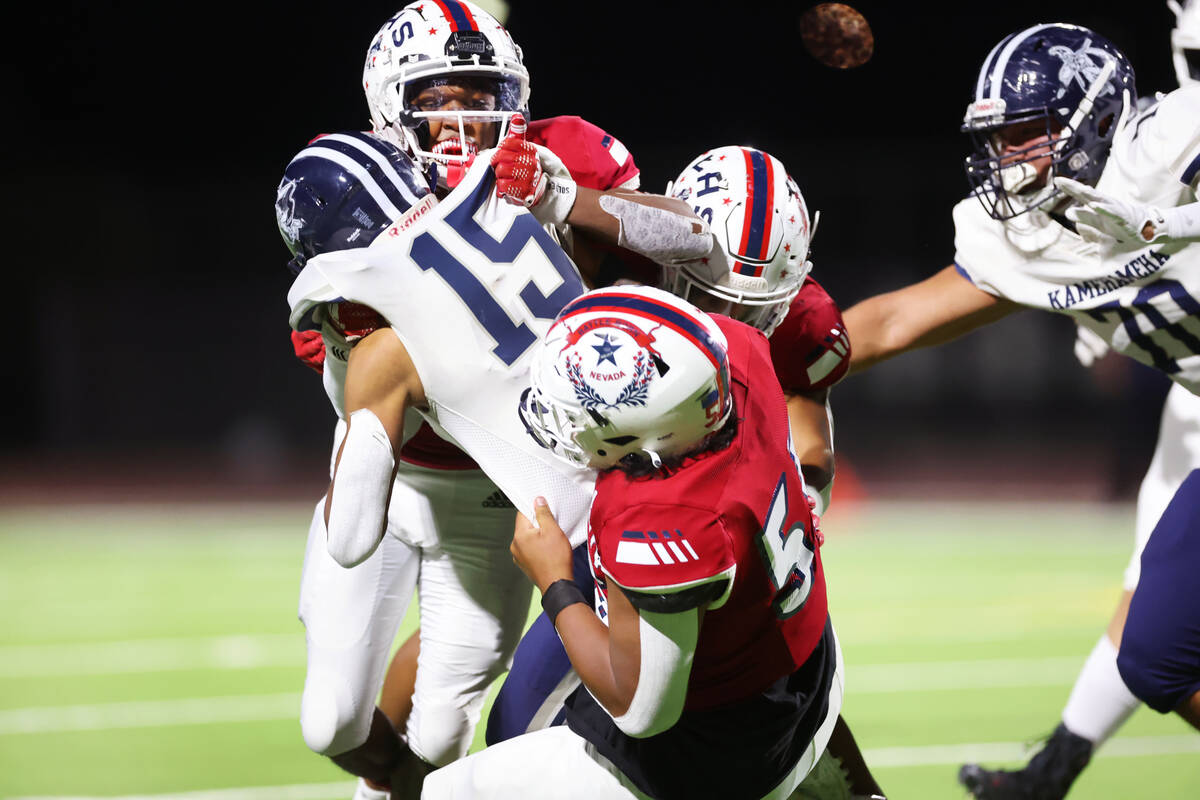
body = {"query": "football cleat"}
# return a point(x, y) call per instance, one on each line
point(1047, 776)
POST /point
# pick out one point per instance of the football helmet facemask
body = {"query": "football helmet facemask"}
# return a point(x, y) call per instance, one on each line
point(761, 233)
point(443, 43)
point(627, 370)
point(1072, 80)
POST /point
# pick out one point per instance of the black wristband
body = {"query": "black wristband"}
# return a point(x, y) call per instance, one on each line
point(559, 595)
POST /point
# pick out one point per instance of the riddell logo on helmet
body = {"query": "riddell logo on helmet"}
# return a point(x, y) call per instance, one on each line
point(411, 216)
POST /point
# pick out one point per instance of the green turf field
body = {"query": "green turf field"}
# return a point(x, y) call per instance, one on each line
point(155, 652)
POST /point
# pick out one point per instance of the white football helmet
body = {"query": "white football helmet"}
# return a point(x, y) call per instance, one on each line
point(436, 42)
point(1185, 41)
point(761, 231)
point(625, 370)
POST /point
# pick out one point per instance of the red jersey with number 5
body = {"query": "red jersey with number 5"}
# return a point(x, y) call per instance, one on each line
point(732, 527)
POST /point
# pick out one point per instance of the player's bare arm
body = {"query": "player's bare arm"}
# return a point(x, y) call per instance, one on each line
point(609, 658)
point(544, 555)
point(381, 383)
point(812, 436)
point(658, 227)
point(935, 311)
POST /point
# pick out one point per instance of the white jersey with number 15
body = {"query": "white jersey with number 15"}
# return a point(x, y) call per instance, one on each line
point(469, 286)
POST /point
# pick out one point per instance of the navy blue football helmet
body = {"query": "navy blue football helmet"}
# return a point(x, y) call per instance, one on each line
point(1074, 81)
point(343, 189)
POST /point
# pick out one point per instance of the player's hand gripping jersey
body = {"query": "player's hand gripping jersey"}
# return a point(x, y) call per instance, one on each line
point(731, 531)
point(1144, 303)
point(468, 285)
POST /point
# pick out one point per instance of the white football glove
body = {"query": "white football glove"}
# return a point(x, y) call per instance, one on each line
point(558, 198)
point(1105, 219)
point(1089, 346)
point(1110, 220)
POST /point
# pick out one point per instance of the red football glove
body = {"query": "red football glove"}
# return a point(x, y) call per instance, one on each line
point(519, 177)
point(310, 349)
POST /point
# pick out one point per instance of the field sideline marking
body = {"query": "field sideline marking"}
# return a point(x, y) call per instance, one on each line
point(932, 755)
point(260, 651)
point(936, 755)
point(863, 679)
point(151, 713)
point(153, 655)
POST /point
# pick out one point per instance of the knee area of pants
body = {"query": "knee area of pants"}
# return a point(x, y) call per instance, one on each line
point(1140, 671)
point(440, 736)
point(328, 729)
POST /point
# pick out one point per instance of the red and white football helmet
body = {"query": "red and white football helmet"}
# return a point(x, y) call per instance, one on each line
point(1185, 41)
point(445, 41)
point(761, 230)
point(625, 370)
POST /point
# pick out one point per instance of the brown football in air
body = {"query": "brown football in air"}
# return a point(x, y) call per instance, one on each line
point(837, 35)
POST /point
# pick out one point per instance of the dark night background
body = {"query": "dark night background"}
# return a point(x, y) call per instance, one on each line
point(147, 321)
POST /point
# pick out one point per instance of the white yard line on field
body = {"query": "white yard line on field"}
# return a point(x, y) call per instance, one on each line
point(861, 679)
point(880, 757)
point(298, 791)
point(932, 676)
point(991, 752)
point(153, 655)
point(150, 713)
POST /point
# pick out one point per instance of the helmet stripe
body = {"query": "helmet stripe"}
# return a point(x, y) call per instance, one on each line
point(997, 79)
point(458, 15)
point(756, 225)
point(355, 168)
point(688, 327)
point(380, 153)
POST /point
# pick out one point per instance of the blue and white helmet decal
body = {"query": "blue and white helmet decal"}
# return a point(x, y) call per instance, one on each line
point(1074, 80)
point(343, 189)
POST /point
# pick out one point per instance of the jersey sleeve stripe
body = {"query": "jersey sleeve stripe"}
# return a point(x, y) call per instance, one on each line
point(1193, 166)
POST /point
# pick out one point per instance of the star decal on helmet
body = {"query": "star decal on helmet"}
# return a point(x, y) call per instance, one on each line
point(606, 350)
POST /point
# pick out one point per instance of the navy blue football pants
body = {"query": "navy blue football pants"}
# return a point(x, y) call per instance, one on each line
point(539, 666)
point(1159, 659)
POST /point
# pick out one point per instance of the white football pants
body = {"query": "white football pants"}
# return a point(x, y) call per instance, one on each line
point(473, 604)
point(556, 763)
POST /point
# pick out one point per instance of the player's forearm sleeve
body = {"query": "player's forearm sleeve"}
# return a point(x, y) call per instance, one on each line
point(358, 505)
point(657, 233)
point(668, 644)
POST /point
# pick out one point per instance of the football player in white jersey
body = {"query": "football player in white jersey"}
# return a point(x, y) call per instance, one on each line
point(442, 79)
point(480, 278)
point(1053, 109)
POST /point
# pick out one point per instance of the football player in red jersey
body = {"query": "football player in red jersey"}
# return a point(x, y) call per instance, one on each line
point(739, 191)
point(710, 639)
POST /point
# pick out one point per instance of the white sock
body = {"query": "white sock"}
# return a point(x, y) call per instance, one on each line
point(1100, 701)
point(364, 792)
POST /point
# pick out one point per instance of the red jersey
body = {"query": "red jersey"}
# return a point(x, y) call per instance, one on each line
point(596, 160)
point(810, 348)
point(736, 522)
